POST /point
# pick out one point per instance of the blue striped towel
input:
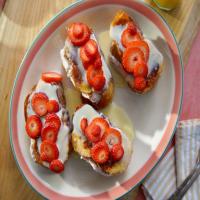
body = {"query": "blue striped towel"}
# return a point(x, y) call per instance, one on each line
point(176, 165)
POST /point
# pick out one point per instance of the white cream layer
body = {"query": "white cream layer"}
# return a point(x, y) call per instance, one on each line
point(116, 33)
point(155, 57)
point(90, 113)
point(74, 54)
point(63, 134)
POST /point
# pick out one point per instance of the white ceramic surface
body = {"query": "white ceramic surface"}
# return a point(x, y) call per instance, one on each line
point(149, 113)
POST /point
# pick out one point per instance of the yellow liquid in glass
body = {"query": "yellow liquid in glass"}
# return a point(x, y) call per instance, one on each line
point(167, 4)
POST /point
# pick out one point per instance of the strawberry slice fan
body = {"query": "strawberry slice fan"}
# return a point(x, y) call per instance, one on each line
point(106, 148)
point(87, 70)
point(130, 55)
point(79, 35)
point(103, 136)
point(47, 122)
point(135, 58)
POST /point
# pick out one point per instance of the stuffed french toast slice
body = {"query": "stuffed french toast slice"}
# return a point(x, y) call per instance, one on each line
point(133, 55)
point(47, 122)
point(85, 65)
point(105, 147)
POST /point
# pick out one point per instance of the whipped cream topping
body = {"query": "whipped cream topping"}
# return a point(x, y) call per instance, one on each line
point(155, 57)
point(63, 134)
point(90, 113)
point(116, 33)
point(73, 52)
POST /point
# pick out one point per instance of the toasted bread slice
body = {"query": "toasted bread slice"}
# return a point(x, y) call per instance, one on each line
point(70, 56)
point(53, 90)
point(82, 146)
point(121, 19)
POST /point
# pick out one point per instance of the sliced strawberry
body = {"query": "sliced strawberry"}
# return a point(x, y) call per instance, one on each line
point(84, 124)
point(48, 151)
point(112, 137)
point(91, 48)
point(95, 78)
point(52, 106)
point(77, 30)
point(97, 63)
point(137, 37)
point(100, 152)
point(99, 82)
point(102, 123)
point(51, 77)
point(127, 37)
point(56, 166)
point(33, 126)
point(78, 33)
point(142, 45)
point(54, 119)
point(86, 60)
point(117, 152)
point(93, 133)
point(131, 57)
point(49, 132)
point(92, 72)
point(140, 69)
point(139, 83)
point(131, 27)
point(44, 157)
point(39, 103)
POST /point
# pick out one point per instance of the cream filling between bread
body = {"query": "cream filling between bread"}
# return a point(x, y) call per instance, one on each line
point(74, 54)
point(155, 57)
point(63, 134)
point(90, 113)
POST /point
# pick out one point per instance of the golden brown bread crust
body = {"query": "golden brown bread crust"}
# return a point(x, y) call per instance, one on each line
point(116, 51)
point(105, 99)
point(82, 148)
point(25, 107)
point(152, 79)
point(34, 145)
point(122, 18)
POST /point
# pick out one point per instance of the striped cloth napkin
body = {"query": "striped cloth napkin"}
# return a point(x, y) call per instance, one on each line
point(176, 165)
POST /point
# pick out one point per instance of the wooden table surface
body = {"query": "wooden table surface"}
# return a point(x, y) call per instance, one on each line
point(20, 21)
